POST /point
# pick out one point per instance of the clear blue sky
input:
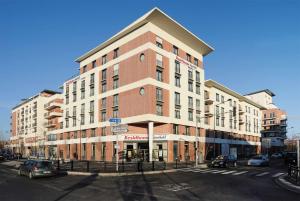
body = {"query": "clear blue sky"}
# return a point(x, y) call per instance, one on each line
point(257, 43)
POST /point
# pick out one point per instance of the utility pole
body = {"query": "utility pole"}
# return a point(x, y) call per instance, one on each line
point(298, 153)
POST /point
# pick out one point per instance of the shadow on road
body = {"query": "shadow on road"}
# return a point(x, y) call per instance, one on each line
point(135, 190)
point(81, 184)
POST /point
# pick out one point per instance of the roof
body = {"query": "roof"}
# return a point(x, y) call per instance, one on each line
point(26, 100)
point(212, 83)
point(154, 15)
point(260, 91)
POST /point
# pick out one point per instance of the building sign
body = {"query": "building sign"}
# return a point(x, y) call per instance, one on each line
point(143, 137)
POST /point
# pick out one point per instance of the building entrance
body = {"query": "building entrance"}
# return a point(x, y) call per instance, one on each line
point(143, 151)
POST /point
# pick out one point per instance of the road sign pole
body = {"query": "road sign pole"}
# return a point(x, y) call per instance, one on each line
point(117, 155)
point(298, 153)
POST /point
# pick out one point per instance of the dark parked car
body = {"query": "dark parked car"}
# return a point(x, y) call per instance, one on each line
point(223, 161)
point(36, 168)
point(291, 158)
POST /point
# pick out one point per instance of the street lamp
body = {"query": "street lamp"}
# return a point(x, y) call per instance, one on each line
point(215, 115)
point(79, 134)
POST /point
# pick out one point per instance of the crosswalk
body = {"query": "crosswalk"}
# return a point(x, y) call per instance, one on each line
point(233, 172)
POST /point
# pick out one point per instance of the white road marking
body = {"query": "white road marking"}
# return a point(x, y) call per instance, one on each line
point(219, 171)
point(278, 174)
point(233, 171)
point(239, 173)
point(262, 174)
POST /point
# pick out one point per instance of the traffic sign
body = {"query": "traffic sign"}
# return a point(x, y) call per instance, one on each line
point(115, 120)
point(121, 128)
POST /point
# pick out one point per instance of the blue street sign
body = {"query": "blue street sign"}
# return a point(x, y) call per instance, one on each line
point(115, 120)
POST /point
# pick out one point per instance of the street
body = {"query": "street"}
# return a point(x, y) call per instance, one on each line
point(241, 183)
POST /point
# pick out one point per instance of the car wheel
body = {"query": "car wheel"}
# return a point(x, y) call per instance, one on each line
point(30, 175)
point(19, 173)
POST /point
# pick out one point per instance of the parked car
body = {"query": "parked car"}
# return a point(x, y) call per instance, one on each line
point(37, 168)
point(290, 158)
point(259, 160)
point(276, 155)
point(223, 161)
point(1, 158)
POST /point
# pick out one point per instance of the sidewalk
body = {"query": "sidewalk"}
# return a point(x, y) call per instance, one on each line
point(12, 164)
point(285, 183)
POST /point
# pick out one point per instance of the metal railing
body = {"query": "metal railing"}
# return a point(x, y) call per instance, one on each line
point(110, 167)
point(294, 173)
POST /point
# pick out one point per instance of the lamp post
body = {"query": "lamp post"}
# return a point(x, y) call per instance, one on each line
point(215, 117)
point(79, 134)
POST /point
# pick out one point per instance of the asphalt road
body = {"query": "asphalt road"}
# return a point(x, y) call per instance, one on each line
point(240, 184)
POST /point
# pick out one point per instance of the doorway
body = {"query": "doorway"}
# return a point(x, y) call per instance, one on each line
point(143, 151)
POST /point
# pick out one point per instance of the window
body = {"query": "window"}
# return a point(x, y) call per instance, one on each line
point(159, 42)
point(115, 100)
point(159, 110)
point(222, 112)
point(198, 89)
point(177, 98)
point(93, 132)
point(94, 64)
point(197, 76)
point(93, 151)
point(187, 130)
point(206, 120)
point(82, 89)
point(177, 67)
point(103, 87)
point(116, 53)
point(82, 113)
point(198, 104)
point(217, 97)
point(196, 61)
point(74, 116)
point(175, 129)
point(175, 50)
point(74, 91)
point(116, 83)
point(177, 81)
point(84, 69)
point(159, 96)
point(190, 113)
point(83, 133)
point(103, 103)
point(92, 119)
point(104, 59)
point(188, 57)
point(92, 84)
point(230, 103)
point(222, 99)
point(190, 85)
point(177, 114)
point(190, 75)
point(103, 131)
point(190, 101)
point(104, 74)
point(103, 116)
point(116, 70)
point(159, 75)
point(115, 113)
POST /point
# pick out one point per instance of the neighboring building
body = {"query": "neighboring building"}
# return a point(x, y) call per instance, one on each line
point(28, 124)
point(274, 121)
point(235, 129)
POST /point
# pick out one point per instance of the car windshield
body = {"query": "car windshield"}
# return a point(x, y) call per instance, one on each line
point(43, 164)
point(257, 157)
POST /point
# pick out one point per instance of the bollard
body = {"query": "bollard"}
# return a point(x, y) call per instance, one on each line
point(58, 165)
point(152, 165)
point(176, 161)
point(72, 165)
point(87, 166)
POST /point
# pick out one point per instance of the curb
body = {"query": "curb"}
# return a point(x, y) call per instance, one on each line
point(281, 181)
point(71, 173)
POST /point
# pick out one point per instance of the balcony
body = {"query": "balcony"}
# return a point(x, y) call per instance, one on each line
point(52, 105)
point(207, 112)
point(208, 100)
point(50, 115)
point(159, 63)
point(241, 111)
point(50, 124)
point(241, 121)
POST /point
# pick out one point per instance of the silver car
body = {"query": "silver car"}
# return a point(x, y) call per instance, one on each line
point(36, 168)
point(259, 160)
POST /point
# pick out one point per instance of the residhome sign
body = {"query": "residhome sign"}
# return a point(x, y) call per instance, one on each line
point(143, 137)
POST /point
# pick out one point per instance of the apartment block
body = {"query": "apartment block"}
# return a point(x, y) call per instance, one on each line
point(28, 130)
point(274, 121)
point(232, 122)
